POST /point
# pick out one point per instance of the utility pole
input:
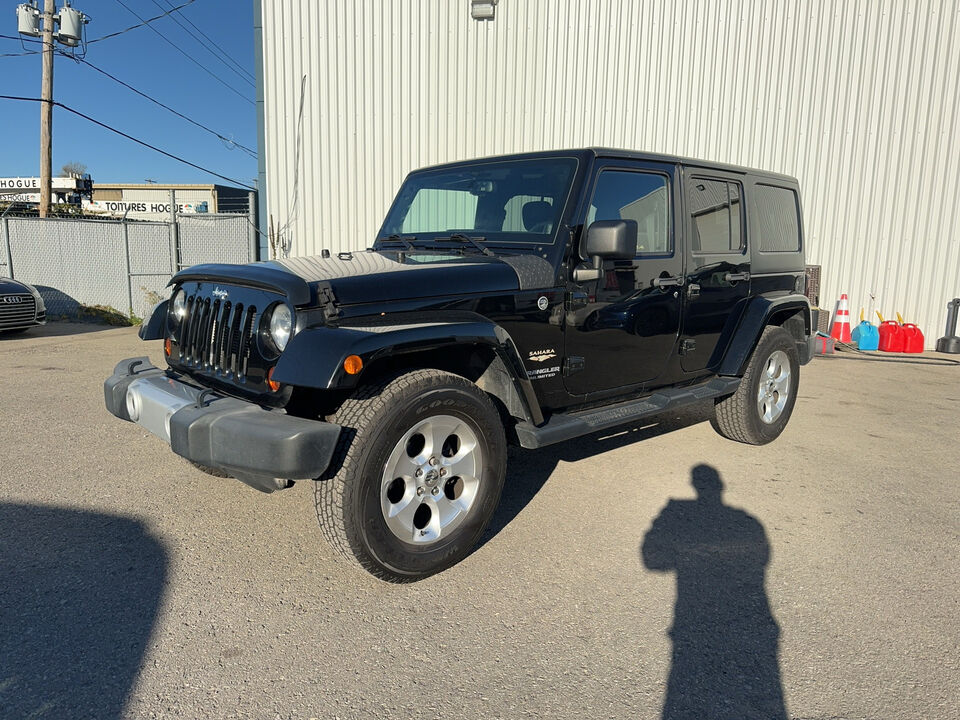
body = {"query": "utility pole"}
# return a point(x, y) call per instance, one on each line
point(46, 107)
point(32, 23)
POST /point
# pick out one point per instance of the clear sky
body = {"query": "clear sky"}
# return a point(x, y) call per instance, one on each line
point(143, 59)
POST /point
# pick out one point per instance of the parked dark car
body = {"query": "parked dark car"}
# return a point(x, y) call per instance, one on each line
point(525, 299)
point(21, 306)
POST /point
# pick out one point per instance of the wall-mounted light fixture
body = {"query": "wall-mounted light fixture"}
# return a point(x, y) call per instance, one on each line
point(483, 9)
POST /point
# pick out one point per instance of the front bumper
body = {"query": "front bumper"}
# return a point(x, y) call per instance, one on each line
point(263, 448)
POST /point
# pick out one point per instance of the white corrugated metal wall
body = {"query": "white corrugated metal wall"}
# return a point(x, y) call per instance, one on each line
point(859, 100)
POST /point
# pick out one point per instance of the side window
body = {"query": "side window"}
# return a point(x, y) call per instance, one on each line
point(715, 216)
point(440, 208)
point(778, 218)
point(639, 196)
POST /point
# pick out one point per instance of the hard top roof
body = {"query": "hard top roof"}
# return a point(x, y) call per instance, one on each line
point(604, 152)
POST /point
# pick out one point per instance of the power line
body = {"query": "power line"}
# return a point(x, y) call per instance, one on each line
point(187, 56)
point(131, 137)
point(230, 141)
point(225, 139)
point(21, 39)
point(22, 52)
point(293, 209)
point(239, 73)
point(214, 42)
point(141, 24)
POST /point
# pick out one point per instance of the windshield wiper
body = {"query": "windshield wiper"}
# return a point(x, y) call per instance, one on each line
point(396, 237)
point(461, 237)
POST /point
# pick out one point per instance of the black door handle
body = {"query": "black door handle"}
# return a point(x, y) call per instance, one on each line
point(734, 277)
point(662, 282)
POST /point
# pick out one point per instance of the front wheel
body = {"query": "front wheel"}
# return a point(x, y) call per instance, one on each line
point(416, 476)
point(759, 410)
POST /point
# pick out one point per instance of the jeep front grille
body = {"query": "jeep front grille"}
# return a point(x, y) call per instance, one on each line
point(17, 313)
point(217, 336)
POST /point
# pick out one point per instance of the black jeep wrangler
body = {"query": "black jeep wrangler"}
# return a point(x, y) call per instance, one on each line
point(528, 299)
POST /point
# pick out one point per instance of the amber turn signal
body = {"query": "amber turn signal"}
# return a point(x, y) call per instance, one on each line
point(273, 384)
point(168, 346)
point(353, 364)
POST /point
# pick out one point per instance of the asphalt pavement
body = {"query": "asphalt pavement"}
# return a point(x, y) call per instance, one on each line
point(658, 571)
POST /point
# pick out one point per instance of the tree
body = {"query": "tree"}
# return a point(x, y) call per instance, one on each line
point(73, 168)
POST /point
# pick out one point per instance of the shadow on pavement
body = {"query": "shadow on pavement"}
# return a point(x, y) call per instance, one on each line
point(68, 316)
point(56, 328)
point(528, 470)
point(79, 595)
point(725, 638)
point(913, 359)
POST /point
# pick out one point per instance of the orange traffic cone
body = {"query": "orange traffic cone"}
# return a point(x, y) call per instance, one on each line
point(841, 321)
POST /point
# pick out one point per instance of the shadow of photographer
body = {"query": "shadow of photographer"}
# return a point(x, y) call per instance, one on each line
point(79, 597)
point(725, 638)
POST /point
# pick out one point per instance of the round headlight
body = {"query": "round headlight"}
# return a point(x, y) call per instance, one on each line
point(281, 325)
point(179, 307)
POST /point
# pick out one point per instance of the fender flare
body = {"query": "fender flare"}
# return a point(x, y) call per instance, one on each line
point(314, 357)
point(754, 319)
point(152, 328)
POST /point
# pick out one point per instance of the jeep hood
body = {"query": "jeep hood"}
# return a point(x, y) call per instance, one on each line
point(367, 277)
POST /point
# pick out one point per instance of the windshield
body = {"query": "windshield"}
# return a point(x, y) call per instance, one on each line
point(499, 201)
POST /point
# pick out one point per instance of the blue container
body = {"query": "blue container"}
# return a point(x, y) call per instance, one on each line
point(866, 336)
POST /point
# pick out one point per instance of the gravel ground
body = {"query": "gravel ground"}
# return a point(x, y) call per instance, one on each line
point(815, 577)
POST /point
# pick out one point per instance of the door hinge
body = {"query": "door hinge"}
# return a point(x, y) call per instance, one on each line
point(328, 301)
point(687, 346)
point(573, 364)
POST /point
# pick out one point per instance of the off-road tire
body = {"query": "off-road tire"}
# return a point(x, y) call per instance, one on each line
point(374, 419)
point(737, 416)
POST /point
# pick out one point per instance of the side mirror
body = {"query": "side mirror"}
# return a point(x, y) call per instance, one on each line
point(607, 240)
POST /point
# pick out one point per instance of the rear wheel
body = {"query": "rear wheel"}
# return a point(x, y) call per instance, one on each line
point(416, 476)
point(761, 407)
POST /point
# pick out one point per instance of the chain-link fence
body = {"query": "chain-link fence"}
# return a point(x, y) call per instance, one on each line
point(116, 265)
point(212, 239)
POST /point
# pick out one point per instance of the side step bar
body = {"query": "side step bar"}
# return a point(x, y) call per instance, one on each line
point(561, 427)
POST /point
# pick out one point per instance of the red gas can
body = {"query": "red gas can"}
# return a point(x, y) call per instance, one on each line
point(912, 339)
point(891, 336)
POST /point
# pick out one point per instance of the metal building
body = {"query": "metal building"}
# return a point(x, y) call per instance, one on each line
point(859, 100)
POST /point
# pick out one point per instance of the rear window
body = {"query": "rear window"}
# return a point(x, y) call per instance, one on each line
point(778, 218)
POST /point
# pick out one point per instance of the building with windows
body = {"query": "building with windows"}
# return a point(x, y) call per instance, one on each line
point(70, 189)
point(859, 101)
point(152, 201)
